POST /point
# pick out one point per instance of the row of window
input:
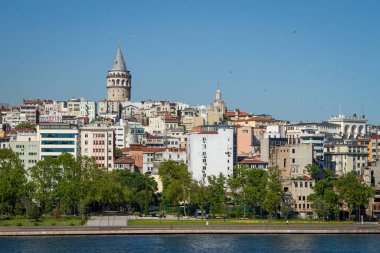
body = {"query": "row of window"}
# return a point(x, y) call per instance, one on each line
point(57, 135)
point(300, 206)
point(68, 150)
point(29, 161)
point(101, 158)
point(60, 142)
point(22, 153)
point(304, 198)
point(302, 184)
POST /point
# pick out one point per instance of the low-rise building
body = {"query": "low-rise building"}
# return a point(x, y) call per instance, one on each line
point(125, 163)
point(251, 163)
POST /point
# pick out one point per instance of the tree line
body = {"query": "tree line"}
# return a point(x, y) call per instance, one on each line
point(68, 185)
point(77, 186)
point(252, 192)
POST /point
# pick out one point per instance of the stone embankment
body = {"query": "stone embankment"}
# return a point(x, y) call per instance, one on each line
point(167, 230)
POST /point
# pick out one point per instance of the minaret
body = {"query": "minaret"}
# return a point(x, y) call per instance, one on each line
point(119, 80)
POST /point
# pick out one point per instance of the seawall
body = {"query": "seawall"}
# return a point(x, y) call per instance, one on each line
point(167, 230)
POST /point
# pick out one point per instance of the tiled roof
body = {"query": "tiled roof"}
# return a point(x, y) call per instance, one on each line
point(252, 161)
point(207, 132)
point(238, 113)
point(125, 160)
point(260, 119)
point(154, 137)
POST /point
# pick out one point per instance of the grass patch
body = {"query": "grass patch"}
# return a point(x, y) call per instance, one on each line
point(43, 221)
point(220, 222)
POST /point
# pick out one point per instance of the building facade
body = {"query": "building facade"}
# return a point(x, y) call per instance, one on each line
point(210, 153)
point(98, 140)
point(57, 138)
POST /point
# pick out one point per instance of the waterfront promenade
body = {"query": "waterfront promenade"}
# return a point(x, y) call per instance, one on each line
point(163, 230)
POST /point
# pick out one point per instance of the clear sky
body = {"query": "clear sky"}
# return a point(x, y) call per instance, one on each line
point(295, 60)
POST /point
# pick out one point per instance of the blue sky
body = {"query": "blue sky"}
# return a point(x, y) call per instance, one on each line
point(296, 60)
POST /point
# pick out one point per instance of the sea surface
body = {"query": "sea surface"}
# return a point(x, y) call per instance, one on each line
point(194, 243)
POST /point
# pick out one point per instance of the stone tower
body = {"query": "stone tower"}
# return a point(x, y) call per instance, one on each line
point(119, 80)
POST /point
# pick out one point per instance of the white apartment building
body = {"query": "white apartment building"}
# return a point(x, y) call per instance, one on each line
point(57, 138)
point(350, 127)
point(135, 134)
point(120, 129)
point(14, 117)
point(153, 157)
point(210, 153)
point(274, 131)
point(344, 158)
point(88, 109)
point(98, 140)
point(25, 144)
point(82, 108)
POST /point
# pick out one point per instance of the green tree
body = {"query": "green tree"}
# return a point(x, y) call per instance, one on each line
point(105, 190)
point(118, 153)
point(62, 184)
point(217, 185)
point(313, 170)
point(25, 125)
point(274, 192)
point(353, 191)
point(200, 195)
point(248, 186)
point(33, 212)
point(12, 182)
point(139, 189)
point(325, 201)
point(45, 177)
point(176, 182)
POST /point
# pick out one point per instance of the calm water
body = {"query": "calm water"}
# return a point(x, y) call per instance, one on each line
point(194, 243)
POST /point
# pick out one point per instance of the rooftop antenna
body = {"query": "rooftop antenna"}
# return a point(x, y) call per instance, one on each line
point(363, 109)
point(218, 85)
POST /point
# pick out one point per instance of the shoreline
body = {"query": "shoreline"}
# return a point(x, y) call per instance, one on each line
point(173, 230)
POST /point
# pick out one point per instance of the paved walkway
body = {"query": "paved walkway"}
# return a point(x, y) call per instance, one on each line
point(107, 221)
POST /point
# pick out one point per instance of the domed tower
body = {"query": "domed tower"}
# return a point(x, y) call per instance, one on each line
point(119, 80)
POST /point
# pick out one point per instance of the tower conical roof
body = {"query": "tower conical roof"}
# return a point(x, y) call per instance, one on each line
point(118, 63)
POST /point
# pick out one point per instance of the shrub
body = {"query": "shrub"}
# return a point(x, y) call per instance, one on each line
point(33, 212)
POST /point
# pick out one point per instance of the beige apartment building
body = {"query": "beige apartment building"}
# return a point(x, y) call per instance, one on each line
point(98, 140)
point(292, 159)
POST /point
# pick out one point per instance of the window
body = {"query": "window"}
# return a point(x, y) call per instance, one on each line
point(293, 150)
point(305, 184)
point(293, 160)
point(296, 184)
